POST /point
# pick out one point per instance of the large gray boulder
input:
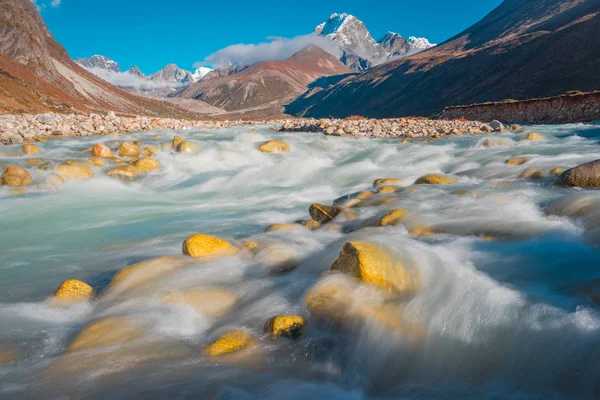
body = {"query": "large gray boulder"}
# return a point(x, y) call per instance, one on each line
point(583, 176)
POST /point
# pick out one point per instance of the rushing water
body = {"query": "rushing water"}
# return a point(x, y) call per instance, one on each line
point(512, 317)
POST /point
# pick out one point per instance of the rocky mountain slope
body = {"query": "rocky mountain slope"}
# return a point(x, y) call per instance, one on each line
point(522, 49)
point(266, 83)
point(359, 50)
point(37, 74)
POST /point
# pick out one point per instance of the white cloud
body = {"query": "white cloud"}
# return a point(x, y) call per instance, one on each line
point(127, 80)
point(41, 4)
point(275, 49)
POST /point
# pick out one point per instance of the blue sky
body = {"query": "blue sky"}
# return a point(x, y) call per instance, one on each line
point(153, 33)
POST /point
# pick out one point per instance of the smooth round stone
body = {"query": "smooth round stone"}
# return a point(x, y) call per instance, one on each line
point(201, 246)
point(15, 176)
point(124, 172)
point(74, 171)
point(73, 290)
point(30, 149)
point(274, 146)
point(290, 326)
point(146, 164)
point(230, 342)
point(128, 150)
point(101, 150)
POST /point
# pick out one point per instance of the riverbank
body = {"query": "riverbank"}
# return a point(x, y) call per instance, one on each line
point(29, 127)
point(25, 128)
point(409, 128)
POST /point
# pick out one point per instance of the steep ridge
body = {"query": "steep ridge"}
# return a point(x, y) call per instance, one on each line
point(37, 74)
point(522, 49)
point(270, 82)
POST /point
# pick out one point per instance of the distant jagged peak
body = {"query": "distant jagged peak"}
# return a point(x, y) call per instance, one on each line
point(136, 71)
point(99, 61)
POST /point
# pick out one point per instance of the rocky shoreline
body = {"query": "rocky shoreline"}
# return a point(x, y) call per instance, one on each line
point(26, 128)
point(409, 128)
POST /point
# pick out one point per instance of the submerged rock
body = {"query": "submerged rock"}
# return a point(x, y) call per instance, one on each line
point(283, 227)
point(556, 171)
point(97, 161)
point(30, 149)
point(584, 176)
point(124, 172)
point(201, 246)
point(387, 182)
point(212, 303)
point(108, 331)
point(137, 275)
point(230, 342)
point(351, 200)
point(274, 146)
point(75, 171)
point(375, 264)
point(15, 176)
point(532, 173)
point(535, 137)
point(517, 161)
point(290, 326)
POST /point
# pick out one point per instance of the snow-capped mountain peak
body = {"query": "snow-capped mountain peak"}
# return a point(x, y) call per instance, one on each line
point(420, 43)
point(99, 61)
point(200, 72)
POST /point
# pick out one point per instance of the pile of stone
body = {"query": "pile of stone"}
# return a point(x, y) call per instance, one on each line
point(27, 127)
point(397, 127)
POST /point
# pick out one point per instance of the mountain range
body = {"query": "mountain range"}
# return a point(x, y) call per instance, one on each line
point(359, 50)
point(522, 49)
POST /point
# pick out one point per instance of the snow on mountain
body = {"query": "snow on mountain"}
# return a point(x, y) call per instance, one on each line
point(359, 50)
point(200, 73)
point(98, 61)
point(420, 43)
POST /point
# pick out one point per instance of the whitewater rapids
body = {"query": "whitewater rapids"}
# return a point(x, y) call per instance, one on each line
point(509, 318)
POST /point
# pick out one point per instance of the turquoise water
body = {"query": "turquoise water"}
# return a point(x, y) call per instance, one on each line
point(513, 317)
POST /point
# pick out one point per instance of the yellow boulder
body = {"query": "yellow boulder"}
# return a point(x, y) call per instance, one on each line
point(30, 149)
point(101, 150)
point(290, 326)
point(274, 146)
point(185, 147)
point(375, 264)
point(15, 176)
point(387, 182)
point(323, 214)
point(230, 342)
point(75, 171)
point(376, 201)
point(124, 172)
point(201, 246)
point(108, 331)
point(435, 179)
point(422, 230)
point(146, 164)
point(176, 141)
point(73, 290)
point(128, 150)
point(517, 161)
point(535, 137)
point(55, 179)
point(311, 224)
point(394, 217)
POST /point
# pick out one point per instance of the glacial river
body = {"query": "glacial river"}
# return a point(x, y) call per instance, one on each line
point(510, 281)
